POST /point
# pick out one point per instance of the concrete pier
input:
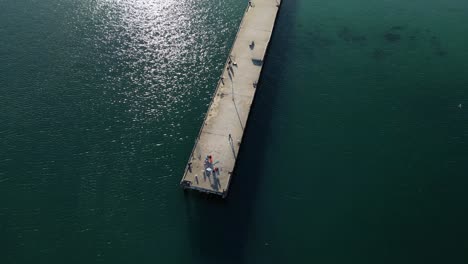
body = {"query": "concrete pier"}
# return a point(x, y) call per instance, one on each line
point(214, 155)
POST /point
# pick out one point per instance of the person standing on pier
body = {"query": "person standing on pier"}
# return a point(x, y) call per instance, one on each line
point(189, 167)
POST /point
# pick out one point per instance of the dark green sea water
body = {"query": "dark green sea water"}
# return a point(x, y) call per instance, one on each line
point(356, 150)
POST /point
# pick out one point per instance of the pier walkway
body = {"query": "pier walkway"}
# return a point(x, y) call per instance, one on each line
point(214, 155)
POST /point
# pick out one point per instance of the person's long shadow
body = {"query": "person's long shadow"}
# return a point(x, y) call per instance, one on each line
point(232, 148)
point(219, 229)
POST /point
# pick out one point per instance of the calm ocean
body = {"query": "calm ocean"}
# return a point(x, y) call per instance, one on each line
point(356, 149)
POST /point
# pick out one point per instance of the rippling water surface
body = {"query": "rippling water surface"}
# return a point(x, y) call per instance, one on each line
point(101, 101)
point(356, 149)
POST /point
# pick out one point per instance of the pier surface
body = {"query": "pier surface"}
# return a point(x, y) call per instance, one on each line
point(221, 133)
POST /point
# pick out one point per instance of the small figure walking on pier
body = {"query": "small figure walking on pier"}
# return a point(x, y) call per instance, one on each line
point(230, 137)
point(189, 167)
point(252, 45)
point(250, 3)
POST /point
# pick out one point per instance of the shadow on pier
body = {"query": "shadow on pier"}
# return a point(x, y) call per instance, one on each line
point(219, 229)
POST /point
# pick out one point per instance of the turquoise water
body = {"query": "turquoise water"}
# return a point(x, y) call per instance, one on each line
point(356, 150)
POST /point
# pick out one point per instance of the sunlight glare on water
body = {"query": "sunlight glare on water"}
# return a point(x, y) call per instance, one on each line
point(103, 100)
point(155, 55)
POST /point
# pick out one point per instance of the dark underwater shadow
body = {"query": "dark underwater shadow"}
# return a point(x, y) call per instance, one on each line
point(219, 229)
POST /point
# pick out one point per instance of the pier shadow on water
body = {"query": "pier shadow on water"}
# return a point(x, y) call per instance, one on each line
point(219, 228)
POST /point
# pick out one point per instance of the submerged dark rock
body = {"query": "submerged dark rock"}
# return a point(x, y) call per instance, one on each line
point(392, 37)
point(359, 38)
point(441, 53)
point(438, 47)
point(435, 41)
point(397, 28)
point(318, 39)
point(380, 54)
point(350, 36)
